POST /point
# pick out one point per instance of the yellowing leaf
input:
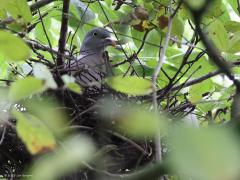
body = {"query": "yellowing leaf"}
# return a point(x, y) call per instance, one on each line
point(130, 85)
point(34, 133)
point(25, 87)
point(73, 153)
point(13, 48)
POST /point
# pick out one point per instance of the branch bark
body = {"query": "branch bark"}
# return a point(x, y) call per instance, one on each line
point(63, 33)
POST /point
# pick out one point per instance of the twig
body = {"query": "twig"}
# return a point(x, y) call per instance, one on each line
point(138, 147)
point(79, 25)
point(83, 112)
point(45, 32)
point(3, 135)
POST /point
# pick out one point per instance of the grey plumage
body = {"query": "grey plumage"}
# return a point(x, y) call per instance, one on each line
point(92, 65)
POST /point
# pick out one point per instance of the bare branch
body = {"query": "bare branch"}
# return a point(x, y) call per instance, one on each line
point(154, 81)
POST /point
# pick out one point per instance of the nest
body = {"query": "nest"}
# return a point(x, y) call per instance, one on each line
point(123, 154)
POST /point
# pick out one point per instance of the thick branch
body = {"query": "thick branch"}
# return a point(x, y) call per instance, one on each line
point(40, 4)
point(63, 33)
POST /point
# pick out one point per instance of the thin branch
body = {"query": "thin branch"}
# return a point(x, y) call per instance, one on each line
point(79, 24)
point(202, 78)
point(154, 82)
point(197, 80)
point(3, 135)
point(38, 46)
point(45, 31)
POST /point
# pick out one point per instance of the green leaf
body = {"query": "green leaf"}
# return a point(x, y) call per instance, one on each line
point(216, 9)
point(78, 9)
point(74, 87)
point(234, 5)
point(135, 120)
point(130, 85)
point(53, 25)
point(25, 87)
point(13, 48)
point(139, 123)
point(69, 82)
point(3, 13)
point(234, 43)
point(218, 35)
point(205, 154)
point(150, 49)
point(178, 27)
point(195, 4)
point(18, 9)
point(45, 109)
point(34, 133)
point(197, 90)
point(232, 26)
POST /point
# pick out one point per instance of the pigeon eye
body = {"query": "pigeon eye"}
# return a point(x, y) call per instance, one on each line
point(94, 34)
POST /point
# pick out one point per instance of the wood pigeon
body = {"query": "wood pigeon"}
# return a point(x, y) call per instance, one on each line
point(92, 65)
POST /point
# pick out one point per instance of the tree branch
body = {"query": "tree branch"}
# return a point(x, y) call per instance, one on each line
point(63, 33)
point(154, 81)
point(40, 4)
point(211, 50)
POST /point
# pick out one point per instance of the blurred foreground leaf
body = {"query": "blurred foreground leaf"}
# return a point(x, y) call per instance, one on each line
point(130, 85)
point(34, 133)
point(72, 154)
point(12, 47)
point(23, 88)
point(135, 120)
point(205, 154)
point(70, 84)
point(49, 112)
point(140, 123)
point(17, 9)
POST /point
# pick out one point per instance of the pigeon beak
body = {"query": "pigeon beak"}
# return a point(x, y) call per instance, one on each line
point(109, 41)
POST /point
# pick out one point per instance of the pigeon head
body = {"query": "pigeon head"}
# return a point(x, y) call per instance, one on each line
point(97, 39)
